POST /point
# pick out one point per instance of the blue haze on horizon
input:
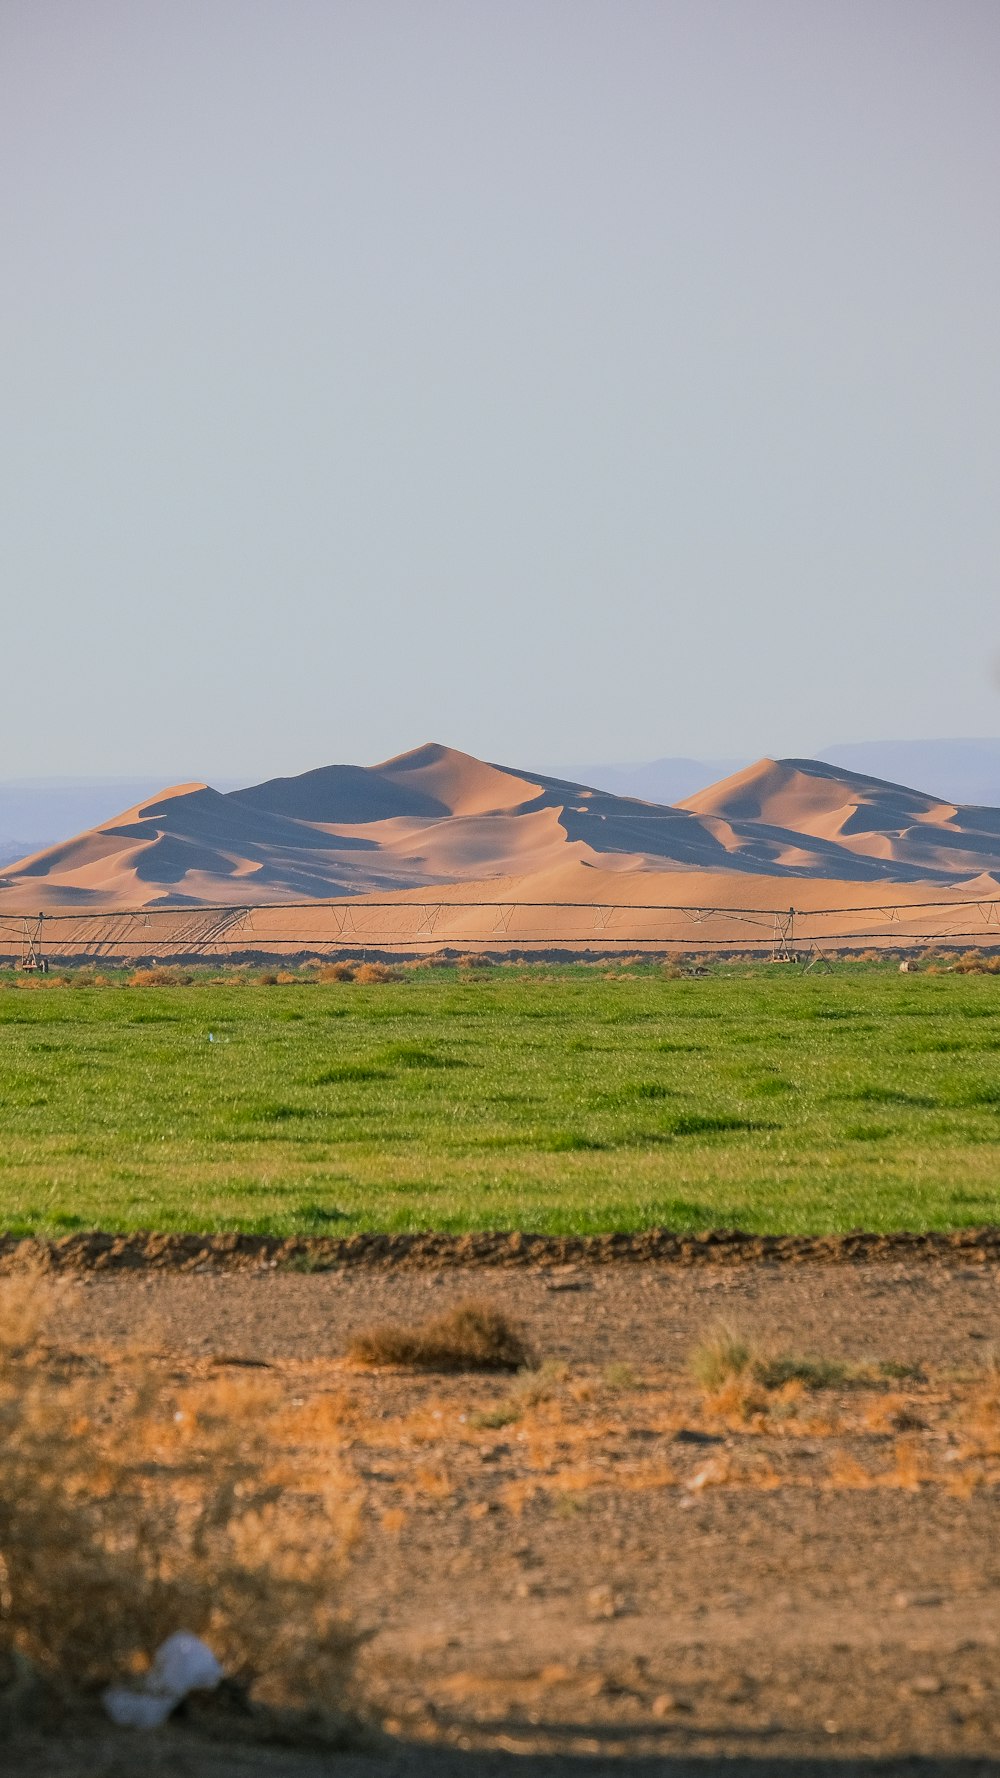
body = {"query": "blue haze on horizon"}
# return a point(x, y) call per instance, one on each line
point(564, 380)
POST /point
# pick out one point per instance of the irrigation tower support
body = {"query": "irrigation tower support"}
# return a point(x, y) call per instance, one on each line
point(32, 957)
point(784, 937)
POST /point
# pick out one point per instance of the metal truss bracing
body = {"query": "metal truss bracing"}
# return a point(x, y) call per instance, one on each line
point(21, 941)
point(783, 938)
point(402, 926)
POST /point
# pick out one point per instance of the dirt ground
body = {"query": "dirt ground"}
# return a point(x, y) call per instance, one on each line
point(606, 1564)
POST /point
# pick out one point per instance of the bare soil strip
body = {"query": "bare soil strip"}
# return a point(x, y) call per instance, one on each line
point(606, 1564)
point(95, 1250)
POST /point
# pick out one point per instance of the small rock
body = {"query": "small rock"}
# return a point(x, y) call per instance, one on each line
point(711, 1474)
point(603, 1602)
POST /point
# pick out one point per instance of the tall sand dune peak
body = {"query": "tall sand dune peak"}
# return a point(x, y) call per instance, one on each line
point(784, 791)
point(436, 816)
point(431, 781)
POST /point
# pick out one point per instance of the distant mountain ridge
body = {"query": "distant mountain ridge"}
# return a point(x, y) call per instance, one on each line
point(435, 816)
point(956, 771)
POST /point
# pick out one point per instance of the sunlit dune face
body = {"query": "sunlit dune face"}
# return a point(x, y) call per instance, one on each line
point(437, 817)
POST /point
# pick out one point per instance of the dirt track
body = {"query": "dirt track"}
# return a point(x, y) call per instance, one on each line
point(623, 1569)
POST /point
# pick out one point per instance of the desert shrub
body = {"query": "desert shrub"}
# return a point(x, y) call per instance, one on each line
point(507, 1413)
point(976, 963)
point(724, 1354)
point(159, 976)
point(786, 1367)
point(621, 1376)
point(539, 1383)
point(269, 979)
point(474, 1336)
point(336, 972)
point(968, 962)
point(376, 972)
point(129, 1510)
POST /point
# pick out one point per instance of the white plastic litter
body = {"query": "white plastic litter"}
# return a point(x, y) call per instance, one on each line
point(182, 1664)
point(136, 1710)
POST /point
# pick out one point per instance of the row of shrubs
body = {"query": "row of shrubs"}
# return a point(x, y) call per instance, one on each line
point(688, 966)
point(173, 976)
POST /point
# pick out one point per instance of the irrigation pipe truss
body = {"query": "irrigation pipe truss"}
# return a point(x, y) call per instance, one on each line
point(305, 927)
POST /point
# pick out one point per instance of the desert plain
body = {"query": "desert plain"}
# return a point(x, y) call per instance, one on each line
point(632, 1554)
point(733, 1506)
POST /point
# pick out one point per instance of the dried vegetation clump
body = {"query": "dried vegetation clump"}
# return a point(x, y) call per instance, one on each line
point(130, 1509)
point(474, 1336)
point(376, 972)
point(725, 1357)
point(159, 977)
point(977, 963)
point(364, 973)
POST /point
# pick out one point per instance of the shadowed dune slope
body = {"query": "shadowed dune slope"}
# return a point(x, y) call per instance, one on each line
point(796, 800)
point(436, 816)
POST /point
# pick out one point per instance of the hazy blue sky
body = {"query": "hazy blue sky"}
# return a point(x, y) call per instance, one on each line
point(562, 379)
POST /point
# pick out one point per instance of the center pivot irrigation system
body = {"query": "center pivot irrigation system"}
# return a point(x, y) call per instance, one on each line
point(352, 927)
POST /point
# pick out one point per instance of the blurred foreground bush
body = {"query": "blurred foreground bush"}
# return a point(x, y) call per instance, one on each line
point(130, 1508)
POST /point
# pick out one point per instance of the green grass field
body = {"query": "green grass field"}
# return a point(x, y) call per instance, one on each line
point(555, 1100)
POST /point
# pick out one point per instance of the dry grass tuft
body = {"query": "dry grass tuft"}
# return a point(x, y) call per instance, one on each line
point(27, 1299)
point(159, 977)
point(726, 1356)
point(474, 1336)
point(336, 972)
point(788, 1367)
point(977, 963)
point(128, 1511)
point(376, 972)
point(721, 1357)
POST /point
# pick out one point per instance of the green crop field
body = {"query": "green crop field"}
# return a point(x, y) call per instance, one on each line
point(559, 1100)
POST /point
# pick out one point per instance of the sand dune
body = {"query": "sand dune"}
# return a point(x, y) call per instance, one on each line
point(791, 800)
point(436, 817)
